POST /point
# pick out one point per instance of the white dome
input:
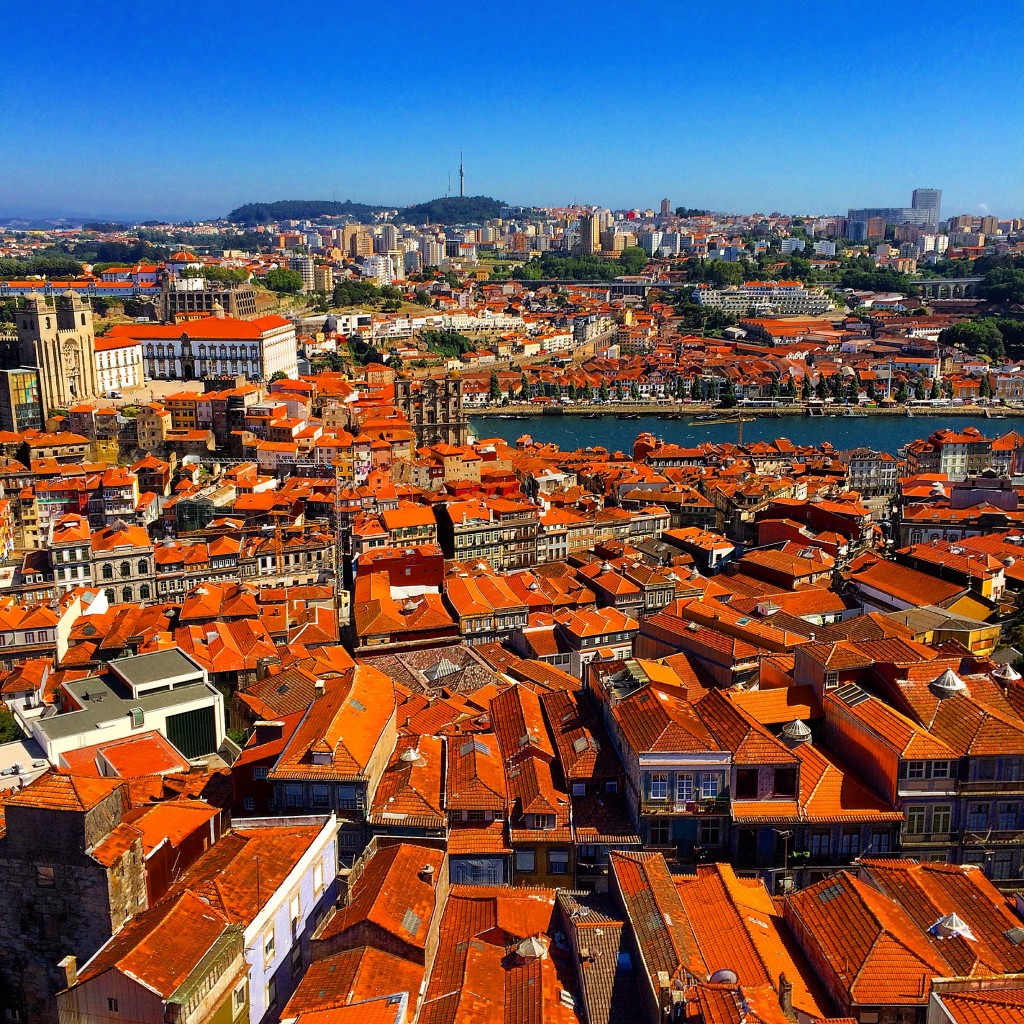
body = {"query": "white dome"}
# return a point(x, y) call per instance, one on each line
point(948, 684)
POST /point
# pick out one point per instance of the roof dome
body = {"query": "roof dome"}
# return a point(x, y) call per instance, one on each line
point(952, 926)
point(797, 732)
point(1006, 674)
point(532, 949)
point(724, 976)
point(948, 684)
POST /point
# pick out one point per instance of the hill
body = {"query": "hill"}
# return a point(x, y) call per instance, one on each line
point(453, 210)
point(300, 209)
point(450, 210)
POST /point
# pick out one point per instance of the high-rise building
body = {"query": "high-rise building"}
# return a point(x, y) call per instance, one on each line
point(20, 408)
point(590, 234)
point(306, 266)
point(929, 199)
point(666, 207)
point(989, 225)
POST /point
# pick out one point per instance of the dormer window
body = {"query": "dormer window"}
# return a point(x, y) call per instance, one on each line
point(322, 757)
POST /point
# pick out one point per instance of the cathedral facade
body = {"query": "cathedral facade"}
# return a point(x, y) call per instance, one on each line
point(56, 336)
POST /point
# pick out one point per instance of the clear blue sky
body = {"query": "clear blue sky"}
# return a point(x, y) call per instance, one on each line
point(131, 109)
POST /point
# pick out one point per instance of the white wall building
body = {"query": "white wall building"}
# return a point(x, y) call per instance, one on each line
point(118, 364)
point(216, 346)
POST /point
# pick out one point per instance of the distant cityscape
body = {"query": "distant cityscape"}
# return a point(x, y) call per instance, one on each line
point(461, 613)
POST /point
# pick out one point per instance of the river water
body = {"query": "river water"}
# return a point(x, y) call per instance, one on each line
point(882, 433)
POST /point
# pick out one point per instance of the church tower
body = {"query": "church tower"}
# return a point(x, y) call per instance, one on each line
point(59, 339)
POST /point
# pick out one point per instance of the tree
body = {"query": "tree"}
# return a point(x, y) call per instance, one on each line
point(283, 280)
point(935, 392)
point(524, 385)
point(277, 375)
point(422, 297)
point(871, 391)
point(603, 392)
point(634, 391)
point(729, 395)
point(619, 396)
point(979, 337)
point(901, 392)
point(495, 389)
point(9, 731)
point(805, 388)
point(633, 259)
point(821, 388)
point(1004, 285)
point(919, 389)
point(451, 278)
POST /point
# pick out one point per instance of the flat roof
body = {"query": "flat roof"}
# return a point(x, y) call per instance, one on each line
point(170, 667)
point(103, 703)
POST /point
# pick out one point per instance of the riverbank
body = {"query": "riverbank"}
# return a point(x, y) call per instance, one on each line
point(636, 410)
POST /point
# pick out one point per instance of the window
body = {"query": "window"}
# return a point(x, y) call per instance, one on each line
point(709, 833)
point(915, 821)
point(526, 860)
point(296, 959)
point(321, 796)
point(579, 789)
point(1001, 865)
point(44, 877)
point(880, 842)
point(942, 815)
point(684, 787)
point(986, 768)
point(849, 844)
point(710, 782)
point(746, 783)
point(977, 816)
point(108, 573)
point(249, 803)
point(658, 832)
point(558, 862)
point(271, 993)
point(831, 680)
point(785, 782)
point(820, 844)
point(238, 1000)
point(269, 946)
point(1008, 814)
point(940, 769)
point(659, 785)
point(318, 878)
point(112, 1005)
point(1010, 769)
point(260, 771)
point(476, 816)
point(915, 769)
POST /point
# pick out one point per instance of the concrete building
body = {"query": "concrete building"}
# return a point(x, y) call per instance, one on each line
point(306, 266)
point(118, 364)
point(20, 407)
point(929, 200)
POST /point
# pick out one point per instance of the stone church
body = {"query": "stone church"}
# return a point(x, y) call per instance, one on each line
point(57, 337)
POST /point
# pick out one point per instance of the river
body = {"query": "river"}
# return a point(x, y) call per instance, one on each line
point(882, 433)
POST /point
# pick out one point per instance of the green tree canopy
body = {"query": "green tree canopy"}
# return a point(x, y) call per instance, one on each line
point(283, 280)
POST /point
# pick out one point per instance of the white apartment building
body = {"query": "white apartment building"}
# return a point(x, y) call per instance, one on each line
point(118, 364)
point(765, 298)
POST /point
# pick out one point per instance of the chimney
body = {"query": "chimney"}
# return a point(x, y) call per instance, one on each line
point(318, 688)
point(69, 965)
point(785, 995)
point(427, 874)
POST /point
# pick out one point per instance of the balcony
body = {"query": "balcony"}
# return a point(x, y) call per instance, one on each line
point(928, 839)
point(712, 805)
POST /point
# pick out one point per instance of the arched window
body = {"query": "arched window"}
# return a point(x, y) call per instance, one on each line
point(108, 574)
point(143, 568)
point(144, 592)
point(126, 595)
point(126, 571)
point(110, 595)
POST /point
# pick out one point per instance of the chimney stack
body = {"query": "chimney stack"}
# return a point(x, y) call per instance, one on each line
point(785, 995)
point(427, 873)
point(69, 965)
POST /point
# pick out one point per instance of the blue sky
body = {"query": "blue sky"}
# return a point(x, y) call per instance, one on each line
point(795, 106)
